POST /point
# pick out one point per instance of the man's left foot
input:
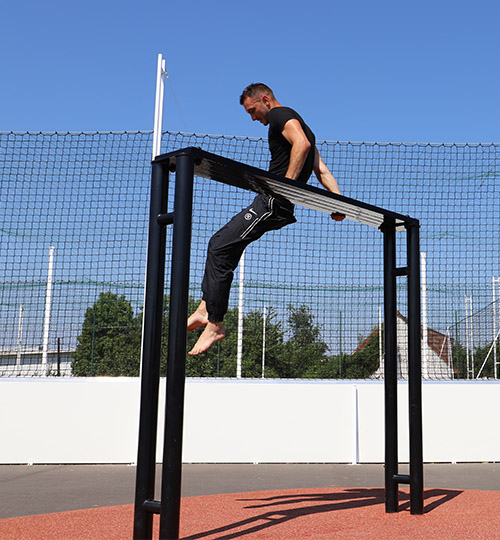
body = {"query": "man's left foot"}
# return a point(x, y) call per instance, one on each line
point(198, 318)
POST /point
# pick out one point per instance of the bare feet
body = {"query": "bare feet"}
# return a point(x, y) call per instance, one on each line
point(213, 332)
point(199, 317)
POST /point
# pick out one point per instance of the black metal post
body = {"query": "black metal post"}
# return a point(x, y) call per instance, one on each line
point(176, 362)
point(390, 368)
point(151, 345)
point(414, 371)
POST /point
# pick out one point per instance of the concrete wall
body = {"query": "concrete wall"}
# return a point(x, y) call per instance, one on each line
point(96, 421)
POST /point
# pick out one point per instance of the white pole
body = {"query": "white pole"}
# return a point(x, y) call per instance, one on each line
point(48, 305)
point(494, 280)
point(425, 327)
point(157, 128)
point(264, 319)
point(470, 336)
point(380, 341)
point(488, 355)
point(498, 300)
point(158, 122)
point(467, 334)
point(471, 326)
point(239, 352)
point(450, 353)
point(355, 427)
point(20, 334)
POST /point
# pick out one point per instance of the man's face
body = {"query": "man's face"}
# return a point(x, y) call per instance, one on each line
point(256, 107)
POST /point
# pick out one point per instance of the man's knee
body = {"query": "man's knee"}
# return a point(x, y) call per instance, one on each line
point(213, 243)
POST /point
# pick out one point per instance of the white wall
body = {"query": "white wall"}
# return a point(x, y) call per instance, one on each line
point(68, 420)
point(232, 421)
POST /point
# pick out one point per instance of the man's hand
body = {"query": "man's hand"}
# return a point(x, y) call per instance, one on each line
point(337, 216)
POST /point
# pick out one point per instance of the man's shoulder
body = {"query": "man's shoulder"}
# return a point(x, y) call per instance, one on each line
point(281, 115)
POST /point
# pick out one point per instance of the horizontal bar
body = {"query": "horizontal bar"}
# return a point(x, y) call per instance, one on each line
point(403, 271)
point(152, 506)
point(401, 478)
point(165, 219)
point(245, 176)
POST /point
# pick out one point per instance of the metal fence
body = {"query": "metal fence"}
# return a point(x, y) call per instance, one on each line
point(74, 235)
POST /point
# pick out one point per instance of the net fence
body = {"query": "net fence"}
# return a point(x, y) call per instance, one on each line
point(73, 231)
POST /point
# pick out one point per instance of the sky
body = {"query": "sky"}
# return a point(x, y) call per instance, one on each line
point(357, 70)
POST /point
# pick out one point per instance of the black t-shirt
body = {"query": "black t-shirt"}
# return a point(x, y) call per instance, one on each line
point(280, 148)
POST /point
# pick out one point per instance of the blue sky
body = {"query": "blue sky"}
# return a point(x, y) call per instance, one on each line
point(387, 71)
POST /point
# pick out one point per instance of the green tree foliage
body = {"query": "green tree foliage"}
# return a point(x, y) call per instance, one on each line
point(460, 360)
point(220, 359)
point(110, 340)
point(110, 344)
point(480, 354)
point(364, 361)
point(305, 351)
point(254, 347)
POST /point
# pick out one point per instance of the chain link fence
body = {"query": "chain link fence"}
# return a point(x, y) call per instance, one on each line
point(74, 239)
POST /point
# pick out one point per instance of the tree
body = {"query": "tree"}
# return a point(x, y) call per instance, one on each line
point(220, 360)
point(305, 351)
point(253, 345)
point(324, 368)
point(363, 362)
point(110, 340)
point(110, 344)
point(480, 353)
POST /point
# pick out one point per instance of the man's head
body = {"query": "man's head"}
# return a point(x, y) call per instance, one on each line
point(258, 99)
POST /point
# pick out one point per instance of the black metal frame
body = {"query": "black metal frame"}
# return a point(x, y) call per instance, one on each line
point(187, 163)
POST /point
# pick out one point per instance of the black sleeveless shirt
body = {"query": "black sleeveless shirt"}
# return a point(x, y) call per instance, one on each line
point(280, 148)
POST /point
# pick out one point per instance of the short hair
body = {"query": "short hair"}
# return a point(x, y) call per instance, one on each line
point(255, 88)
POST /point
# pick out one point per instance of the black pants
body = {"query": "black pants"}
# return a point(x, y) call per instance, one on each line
point(226, 247)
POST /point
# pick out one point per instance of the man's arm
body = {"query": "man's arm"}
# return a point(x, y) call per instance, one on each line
point(295, 135)
point(324, 175)
point(327, 179)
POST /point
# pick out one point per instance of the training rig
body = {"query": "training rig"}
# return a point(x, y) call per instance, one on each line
point(188, 163)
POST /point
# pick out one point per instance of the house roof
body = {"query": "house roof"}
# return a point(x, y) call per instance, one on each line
point(437, 341)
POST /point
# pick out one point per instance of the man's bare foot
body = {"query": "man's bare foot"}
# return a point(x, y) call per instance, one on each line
point(213, 332)
point(199, 317)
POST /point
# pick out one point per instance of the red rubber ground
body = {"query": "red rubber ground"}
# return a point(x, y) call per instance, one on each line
point(319, 514)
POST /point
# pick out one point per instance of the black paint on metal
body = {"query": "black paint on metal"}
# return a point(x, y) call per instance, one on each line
point(187, 163)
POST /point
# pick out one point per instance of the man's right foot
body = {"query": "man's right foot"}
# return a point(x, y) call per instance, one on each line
point(213, 332)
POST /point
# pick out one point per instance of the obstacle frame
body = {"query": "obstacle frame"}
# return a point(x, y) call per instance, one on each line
point(188, 163)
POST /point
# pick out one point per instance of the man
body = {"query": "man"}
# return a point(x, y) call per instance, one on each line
point(293, 155)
